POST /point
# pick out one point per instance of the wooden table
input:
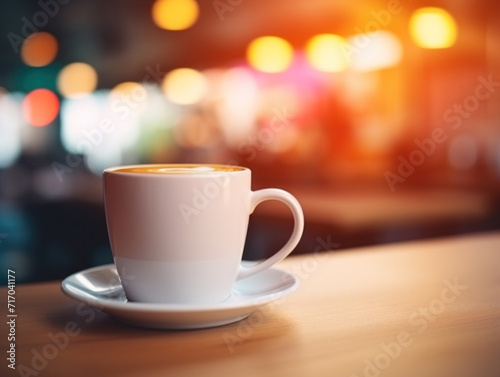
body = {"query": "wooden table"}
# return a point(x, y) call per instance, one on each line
point(429, 308)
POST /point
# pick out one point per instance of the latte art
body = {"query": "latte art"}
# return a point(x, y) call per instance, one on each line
point(179, 169)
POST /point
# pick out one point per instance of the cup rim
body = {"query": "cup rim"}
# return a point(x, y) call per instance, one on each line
point(237, 169)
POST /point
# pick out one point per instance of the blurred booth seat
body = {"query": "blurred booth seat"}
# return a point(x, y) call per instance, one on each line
point(343, 218)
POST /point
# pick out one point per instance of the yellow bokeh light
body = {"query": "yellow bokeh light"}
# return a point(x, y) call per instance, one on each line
point(328, 53)
point(184, 86)
point(76, 80)
point(433, 27)
point(270, 54)
point(175, 14)
point(39, 49)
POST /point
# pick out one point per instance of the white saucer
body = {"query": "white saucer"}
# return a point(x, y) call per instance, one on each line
point(99, 287)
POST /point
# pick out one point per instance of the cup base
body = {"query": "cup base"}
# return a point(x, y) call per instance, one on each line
point(192, 282)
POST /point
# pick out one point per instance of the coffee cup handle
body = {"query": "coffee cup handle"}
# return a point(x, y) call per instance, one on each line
point(259, 196)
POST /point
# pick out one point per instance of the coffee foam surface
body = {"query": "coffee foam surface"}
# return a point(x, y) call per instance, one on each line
point(178, 169)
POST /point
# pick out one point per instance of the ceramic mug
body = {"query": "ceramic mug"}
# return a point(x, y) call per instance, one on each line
point(177, 231)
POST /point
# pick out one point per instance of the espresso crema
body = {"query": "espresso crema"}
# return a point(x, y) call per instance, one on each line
point(178, 169)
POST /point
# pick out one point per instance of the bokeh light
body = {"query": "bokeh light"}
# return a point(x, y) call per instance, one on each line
point(93, 128)
point(270, 54)
point(130, 89)
point(39, 49)
point(129, 97)
point(40, 107)
point(432, 27)
point(184, 86)
point(80, 115)
point(237, 109)
point(383, 50)
point(10, 129)
point(175, 14)
point(76, 80)
point(328, 53)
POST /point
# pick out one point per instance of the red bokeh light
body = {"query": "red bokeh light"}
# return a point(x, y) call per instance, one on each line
point(40, 107)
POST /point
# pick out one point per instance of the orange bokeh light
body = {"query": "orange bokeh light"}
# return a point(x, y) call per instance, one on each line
point(175, 14)
point(77, 80)
point(185, 86)
point(40, 107)
point(39, 49)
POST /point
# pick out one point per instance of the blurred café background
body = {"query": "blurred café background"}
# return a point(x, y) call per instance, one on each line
point(382, 117)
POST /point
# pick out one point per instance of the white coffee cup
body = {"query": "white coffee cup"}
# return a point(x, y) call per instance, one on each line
point(177, 231)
